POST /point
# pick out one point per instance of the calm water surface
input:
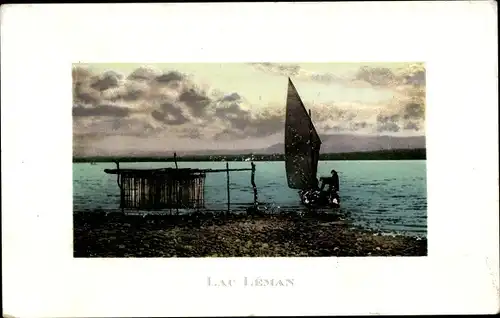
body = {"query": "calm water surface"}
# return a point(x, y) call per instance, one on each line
point(387, 195)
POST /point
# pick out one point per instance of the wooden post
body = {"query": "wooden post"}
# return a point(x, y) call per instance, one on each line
point(178, 185)
point(122, 199)
point(253, 185)
point(228, 189)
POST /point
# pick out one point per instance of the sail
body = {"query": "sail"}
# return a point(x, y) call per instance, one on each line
point(302, 143)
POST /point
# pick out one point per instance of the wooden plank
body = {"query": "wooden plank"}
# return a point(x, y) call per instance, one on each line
point(170, 171)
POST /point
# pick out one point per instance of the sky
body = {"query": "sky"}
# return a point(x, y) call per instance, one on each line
point(128, 108)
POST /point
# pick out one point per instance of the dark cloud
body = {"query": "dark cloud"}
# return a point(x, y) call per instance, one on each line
point(134, 93)
point(169, 114)
point(150, 101)
point(130, 92)
point(388, 123)
point(376, 76)
point(101, 110)
point(267, 124)
point(244, 124)
point(196, 101)
point(231, 98)
point(409, 92)
point(143, 74)
point(332, 111)
point(237, 117)
point(169, 77)
point(83, 94)
point(412, 126)
point(105, 81)
point(416, 78)
point(383, 119)
point(80, 74)
point(413, 111)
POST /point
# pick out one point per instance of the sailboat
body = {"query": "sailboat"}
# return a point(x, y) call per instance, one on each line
point(302, 146)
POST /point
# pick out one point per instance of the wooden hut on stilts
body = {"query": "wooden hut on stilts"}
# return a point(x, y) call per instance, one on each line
point(169, 188)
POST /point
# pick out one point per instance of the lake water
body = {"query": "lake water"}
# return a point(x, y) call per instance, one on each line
point(387, 195)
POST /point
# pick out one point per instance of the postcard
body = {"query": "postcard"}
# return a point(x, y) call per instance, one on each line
point(249, 159)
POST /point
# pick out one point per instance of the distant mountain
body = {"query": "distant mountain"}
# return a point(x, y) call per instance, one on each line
point(355, 143)
point(341, 143)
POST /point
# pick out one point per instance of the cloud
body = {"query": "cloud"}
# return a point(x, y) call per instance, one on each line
point(146, 103)
point(82, 142)
point(355, 126)
point(396, 115)
point(169, 77)
point(144, 74)
point(83, 94)
point(170, 114)
point(129, 92)
point(413, 110)
point(267, 122)
point(149, 103)
point(295, 71)
point(197, 101)
point(376, 76)
point(229, 134)
point(231, 98)
point(105, 81)
point(414, 74)
point(411, 75)
point(407, 109)
point(410, 125)
point(277, 68)
point(101, 110)
point(409, 79)
point(191, 133)
point(242, 122)
point(384, 119)
point(321, 77)
point(389, 126)
point(234, 115)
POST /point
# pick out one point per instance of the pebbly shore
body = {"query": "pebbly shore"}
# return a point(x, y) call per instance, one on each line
point(235, 235)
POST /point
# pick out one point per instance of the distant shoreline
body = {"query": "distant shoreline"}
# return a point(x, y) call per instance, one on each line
point(395, 154)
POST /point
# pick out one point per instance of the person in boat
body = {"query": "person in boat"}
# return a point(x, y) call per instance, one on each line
point(332, 183)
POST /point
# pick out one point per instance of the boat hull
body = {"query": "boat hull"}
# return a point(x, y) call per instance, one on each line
point(317, 199)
